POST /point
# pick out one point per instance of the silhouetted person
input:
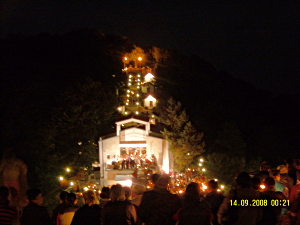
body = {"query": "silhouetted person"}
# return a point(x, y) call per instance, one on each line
point(34, 213)
point(249, 215)
point(65, 217)
point(118, 210)
point(90, 213)
point(8, 214)
point(159, 205)
point(193, 211)
point(214, 199)
point(61, 206)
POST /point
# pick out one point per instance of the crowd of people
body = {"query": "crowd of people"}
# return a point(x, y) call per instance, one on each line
point(270, 197)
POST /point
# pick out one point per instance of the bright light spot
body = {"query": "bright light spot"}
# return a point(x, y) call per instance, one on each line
point(61, 178)
point(79, 143)
point(129, 84)
point(218, 190)
point(262, 186)
point(119, 108)
point(137, 95)
point(126, 103)
point(125, 183)
point(222, 186)
point(137, 103)
point(204, 187)
point(71, 183)
point(130, 76)
point(128, 91)
point(188, 154)
point(127, 95)
point(139, 75)
point(68, 169)
point(201, 160)
point(126, 112)
point(152, 115)
point(138, 87)
point(129, 79)
point(180, 191)
point(203, 169)
point(216, 179)
point(139, 58)
point(136, 112)
point(125, 58)
point(138, 83)
point(85, 188)
point(139, 80)
point(200, 164)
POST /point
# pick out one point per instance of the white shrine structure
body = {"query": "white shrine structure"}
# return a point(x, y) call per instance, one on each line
point(135, 141)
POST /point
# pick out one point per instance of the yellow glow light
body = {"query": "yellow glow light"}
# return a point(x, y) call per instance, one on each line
point(139, 58)
point(125, 58)
point(137, 95)
point(85, 188)
point(68, 170)
point(127, 95)
point(61, 178)
point(129, 84)
point(129, 79)
point(128, 91)
point(136, 112)
point(130, 76)
point(262, 186)
point(200, 164)
point(139, 75)
point(119, 108)
point(222, 186)
point(216, 179)
point(137, 103)
point(126, 103)
point(201, 160)
point(203, 169)
point(126, 112)
point(138, 86)
point(71, 183)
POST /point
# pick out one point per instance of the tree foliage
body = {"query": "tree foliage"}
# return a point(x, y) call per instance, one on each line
point(185, 141)
point(84, 113)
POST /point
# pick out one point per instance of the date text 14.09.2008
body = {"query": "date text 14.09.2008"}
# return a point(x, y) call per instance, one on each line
point(260, 202)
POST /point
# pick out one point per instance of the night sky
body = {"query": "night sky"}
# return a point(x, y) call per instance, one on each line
point(258, 41)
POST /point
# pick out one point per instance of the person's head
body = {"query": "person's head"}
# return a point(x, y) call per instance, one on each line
point(264, 166)
point(255, 183)
point(243, 179)
point(289, 162)
point(72, 199)
point(63, 196)
point(89, 197)
point(269, 183)
point(282, 169)
point(192, 193)
point(117, 193)
point(212, 185)
point(4, 193)
point(163, 181)
point(105, 193)
point(275, 174)
point(127, 191)
point(34, 195)
point(154, 178)
point(139, 189)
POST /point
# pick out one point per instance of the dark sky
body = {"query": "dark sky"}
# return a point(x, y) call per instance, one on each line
point(258, 41)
